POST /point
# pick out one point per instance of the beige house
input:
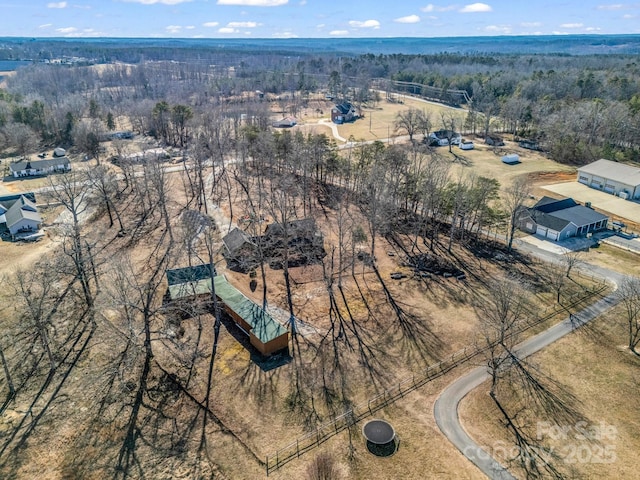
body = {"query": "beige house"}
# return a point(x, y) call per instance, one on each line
point(611, 177)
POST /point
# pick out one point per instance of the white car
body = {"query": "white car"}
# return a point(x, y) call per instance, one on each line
point(466, 145)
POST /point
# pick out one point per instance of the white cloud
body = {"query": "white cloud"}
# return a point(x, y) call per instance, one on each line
point(227, 30)
point(531, 24)
point(57, 5)
point(435, 8)
point(615, 6)
point(339, 32)
point(572, 25)
point(242, 24)
point(408, 19)
point(303, 2)
point(475, 8)
point(153, 2)
point(254, 3)
point(366, 24)
point(173, 28)
point(284, 35)
point(66, 30)
point(211, 24)
point(627, 16)
point(190, 27)
point(499, 29)
point(592, 29)
point(320, 25)
point(45, 25)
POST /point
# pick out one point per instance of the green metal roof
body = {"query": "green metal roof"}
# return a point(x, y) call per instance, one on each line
point(263, 325)
point(189, 274)
point(189, 289)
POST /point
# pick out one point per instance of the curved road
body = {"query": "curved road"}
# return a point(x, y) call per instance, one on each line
point(446, 407)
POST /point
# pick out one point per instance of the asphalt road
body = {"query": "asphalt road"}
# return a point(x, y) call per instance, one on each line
point(446, 406)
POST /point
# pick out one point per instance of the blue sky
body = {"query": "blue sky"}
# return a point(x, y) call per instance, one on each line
point(312, 18)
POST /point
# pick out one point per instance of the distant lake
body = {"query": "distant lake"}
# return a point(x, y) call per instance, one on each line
point(11, 65)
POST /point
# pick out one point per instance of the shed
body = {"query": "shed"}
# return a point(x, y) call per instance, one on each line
point(59, 152)
point(494, 141)
point(466, 145)
point(189, 282)
point(265, 333)
point(529, 144)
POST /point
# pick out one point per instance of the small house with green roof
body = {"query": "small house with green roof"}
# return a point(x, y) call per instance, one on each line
point(265, 333)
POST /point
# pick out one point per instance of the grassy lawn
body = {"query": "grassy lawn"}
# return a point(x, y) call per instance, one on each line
point(592, 365)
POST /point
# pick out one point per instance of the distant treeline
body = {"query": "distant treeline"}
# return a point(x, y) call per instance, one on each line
point(577, 107)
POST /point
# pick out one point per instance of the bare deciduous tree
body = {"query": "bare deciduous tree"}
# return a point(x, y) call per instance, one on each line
point(629, 293)
point(514, 199)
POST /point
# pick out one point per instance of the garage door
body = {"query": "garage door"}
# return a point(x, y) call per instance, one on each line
point(542, 231)
point(552, 235)
point(609, 188)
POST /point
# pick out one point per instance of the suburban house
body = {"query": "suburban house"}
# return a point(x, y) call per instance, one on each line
point(560, 219)
point(441, 138)
point(30, 168)
point(18, 213)
point(265, 333)
point(612, 177)
point(286, 122)
point(343, 113)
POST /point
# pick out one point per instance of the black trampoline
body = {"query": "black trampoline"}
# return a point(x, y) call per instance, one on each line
point(381, 438)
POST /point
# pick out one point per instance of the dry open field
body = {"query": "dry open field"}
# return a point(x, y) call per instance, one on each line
point(594, 366)
point(257, 409)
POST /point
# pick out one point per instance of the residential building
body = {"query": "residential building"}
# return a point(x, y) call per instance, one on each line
point(19, 214)
point(32, 168)
point(561, 219)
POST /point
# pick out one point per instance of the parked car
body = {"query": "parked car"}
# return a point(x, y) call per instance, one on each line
point(466, 145)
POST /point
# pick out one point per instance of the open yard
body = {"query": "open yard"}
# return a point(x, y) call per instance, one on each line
point(376, 332)
point(594, 366)
point(359, 332)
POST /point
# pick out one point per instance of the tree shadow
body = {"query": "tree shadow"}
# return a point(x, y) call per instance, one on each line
point(22, 432)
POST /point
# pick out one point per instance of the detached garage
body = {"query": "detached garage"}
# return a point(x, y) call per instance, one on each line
point(611, 177)
point(560, 219)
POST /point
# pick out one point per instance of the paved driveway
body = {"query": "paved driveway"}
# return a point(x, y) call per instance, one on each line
point(599, 200)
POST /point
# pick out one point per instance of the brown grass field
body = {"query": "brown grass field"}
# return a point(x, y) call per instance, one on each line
point(257, 410)
point(595, 366)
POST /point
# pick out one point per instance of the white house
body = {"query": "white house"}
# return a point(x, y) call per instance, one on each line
point(560, 219)
point(441, 138)
point(18, 213)
point(611, 177)
point(30, 168)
